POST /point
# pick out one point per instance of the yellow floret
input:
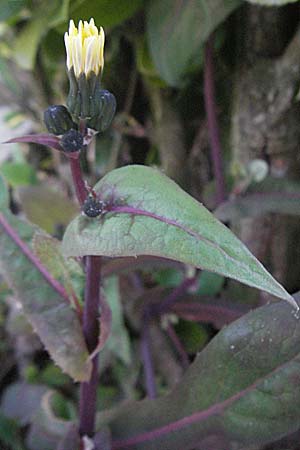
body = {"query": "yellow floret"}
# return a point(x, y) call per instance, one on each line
point(84, 46)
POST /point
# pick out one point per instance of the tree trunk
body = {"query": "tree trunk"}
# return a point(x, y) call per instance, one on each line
point(265, 125)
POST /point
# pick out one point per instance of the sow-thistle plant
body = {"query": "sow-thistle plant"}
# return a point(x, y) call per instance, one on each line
point(160, 220)
point(89, 110)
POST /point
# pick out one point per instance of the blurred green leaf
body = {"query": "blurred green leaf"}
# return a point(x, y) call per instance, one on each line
point(7, 79)
point(160, 219)
point(10, 434)
point(28, 40)
point(4, 197)
point(168, 277)
point(241, 390)
point(18, 174)
point(9, 9)
point(210, 283)
point(192, 335)
point(145, 63)
point(177, 30)
point(62, 408)
point(51, 376)
point(107, 13)
point(47, 429)
point(118, 343)
point(20, 401)
point(47, 207)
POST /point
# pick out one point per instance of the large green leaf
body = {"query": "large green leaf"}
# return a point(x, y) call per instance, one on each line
point(156, 217)
point(176, 31)
point(51, 316)
point(242, 389)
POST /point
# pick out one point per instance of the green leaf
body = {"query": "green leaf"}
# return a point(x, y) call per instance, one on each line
point(118, 343)
point(68, 272)
point(210, 283)
point(18, 174)
point(50, 315)
point(4, 197)
point(47, 429)
point(106, 13)
point(28, 40)
point(20, 401)
point(242, 389)
point(10, 434)
point(10, 9)
point(168, 277)
point(156, 217)
point(47, 207)
point(177, 30)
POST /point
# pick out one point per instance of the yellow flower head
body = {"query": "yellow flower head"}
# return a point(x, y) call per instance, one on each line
point(84, 47)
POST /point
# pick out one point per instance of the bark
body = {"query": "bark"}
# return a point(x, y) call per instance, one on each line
point(265, 125)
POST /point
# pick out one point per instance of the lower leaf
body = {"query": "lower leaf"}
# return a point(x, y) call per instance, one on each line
point(242, 389)
point(50, 315)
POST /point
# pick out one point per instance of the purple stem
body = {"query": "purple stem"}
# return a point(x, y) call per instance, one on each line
point(33, 259)
point(174, 296)
point(212, 121)
point(88, 391)
point(147, 358)
point(91, 316)
point(78, 181)
point(145, 341)
point(178, 346)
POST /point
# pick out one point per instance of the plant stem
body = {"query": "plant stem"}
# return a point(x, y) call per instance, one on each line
point(88, 390)
point(174, 296)
point(147, 357)
point(178, 346)
point(78, 181)
point(212, 121)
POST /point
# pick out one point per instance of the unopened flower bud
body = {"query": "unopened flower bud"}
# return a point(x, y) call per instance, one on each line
point(72, 141)
point(58, 120)
point(92, 207)
point(107, 108)
point(85, 61)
